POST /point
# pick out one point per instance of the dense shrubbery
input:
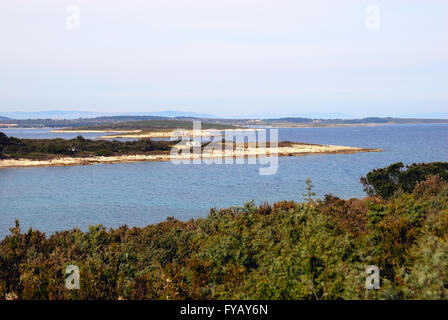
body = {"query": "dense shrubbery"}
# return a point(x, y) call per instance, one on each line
point(385, 182)
point(313, 250)
point(41, 149)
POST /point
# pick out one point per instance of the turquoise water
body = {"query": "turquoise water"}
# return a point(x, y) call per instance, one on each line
point(137, 194)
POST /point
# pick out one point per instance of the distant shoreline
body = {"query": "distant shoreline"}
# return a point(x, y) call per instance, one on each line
point(165, 134)
point(95, 131)
point(160, 134)
point(294, 149)
point(289, 126)
point(285, 126)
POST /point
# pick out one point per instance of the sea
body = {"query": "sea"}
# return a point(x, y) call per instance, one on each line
point(52, 199)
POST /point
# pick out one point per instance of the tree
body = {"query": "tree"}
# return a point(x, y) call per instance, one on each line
point(308, 196)
point(4, 140)
point(382, 182)
point(385, 182)
point(80, 139)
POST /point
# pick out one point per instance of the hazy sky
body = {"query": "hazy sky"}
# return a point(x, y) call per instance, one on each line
point(225, 57)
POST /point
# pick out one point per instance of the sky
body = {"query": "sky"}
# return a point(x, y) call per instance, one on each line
point(228, 58)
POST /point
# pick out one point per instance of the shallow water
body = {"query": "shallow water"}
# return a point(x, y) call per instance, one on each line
point(137, 194)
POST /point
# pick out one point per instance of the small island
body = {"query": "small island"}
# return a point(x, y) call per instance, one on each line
point(16, 152)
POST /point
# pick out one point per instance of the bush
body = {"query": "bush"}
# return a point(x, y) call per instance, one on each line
point(4, 140)
point(288, 250)
point(431, 186)
point(44, 149)
point(385, 182)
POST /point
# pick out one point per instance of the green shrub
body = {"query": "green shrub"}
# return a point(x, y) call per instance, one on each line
point(385, 182)
point(290, 250)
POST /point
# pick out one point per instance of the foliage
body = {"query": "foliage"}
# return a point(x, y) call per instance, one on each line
point(151, 125)
point(308, 196)
point(286, 250)
point(121, 122)
point(385, 182)
point(43, 149)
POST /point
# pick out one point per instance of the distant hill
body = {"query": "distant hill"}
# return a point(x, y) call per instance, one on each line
point(4, 118)
point(363, 121)
point(176, 114)
point(71, 123)
point(433, 115)
point(149, 125)
point(71, 115)
point(137, 121)
point(56, 114)
point(318, 115)
point(140, 122)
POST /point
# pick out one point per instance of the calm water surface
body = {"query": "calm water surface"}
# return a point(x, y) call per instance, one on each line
point(26, 133)
point(137, 194)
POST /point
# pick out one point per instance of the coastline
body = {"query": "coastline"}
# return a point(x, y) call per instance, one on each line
point(96, 131)
point(139, 134)
point(336, 125)
point(291, 150)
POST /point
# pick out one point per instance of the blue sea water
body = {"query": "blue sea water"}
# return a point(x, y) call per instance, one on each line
point(137, 194)
point(44, 133)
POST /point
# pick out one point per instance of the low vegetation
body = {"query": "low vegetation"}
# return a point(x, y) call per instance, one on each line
point(79, 147)
point(397, 177)
point(69, 123)
point(153, 125)
point(316, 249)
point(44, 149)
point(116, 121)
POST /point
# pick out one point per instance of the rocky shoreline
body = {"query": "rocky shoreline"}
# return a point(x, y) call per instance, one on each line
point(290, 150)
